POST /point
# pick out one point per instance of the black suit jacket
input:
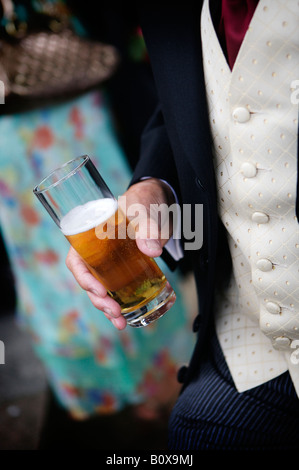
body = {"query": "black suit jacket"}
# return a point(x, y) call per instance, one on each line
point(176, 145)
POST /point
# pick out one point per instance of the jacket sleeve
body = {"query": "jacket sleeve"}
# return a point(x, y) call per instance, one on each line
point(156, 161)
point(156, 157)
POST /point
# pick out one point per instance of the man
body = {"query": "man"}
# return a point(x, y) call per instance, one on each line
point(225, 136)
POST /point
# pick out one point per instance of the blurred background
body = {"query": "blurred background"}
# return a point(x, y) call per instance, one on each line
point(30, 417)
point(120, 378)
point(23, 389)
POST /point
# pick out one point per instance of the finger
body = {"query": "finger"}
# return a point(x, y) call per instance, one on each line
point(146, 234)
point(110, 308)
point(150, 247)
point(95, 290)
point(82, 274)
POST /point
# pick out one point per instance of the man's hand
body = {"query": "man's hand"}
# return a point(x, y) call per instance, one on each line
point(147, 192)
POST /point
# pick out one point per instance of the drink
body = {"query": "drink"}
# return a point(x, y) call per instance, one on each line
point(83, 207)
point(96, 230)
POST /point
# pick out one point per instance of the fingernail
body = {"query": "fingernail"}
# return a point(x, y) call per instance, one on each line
point(109, 312)
point(153, 244)
point(95, 292)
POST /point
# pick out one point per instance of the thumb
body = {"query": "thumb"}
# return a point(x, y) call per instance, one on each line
point(150, 246)
point(147, 211)
point(147, 236)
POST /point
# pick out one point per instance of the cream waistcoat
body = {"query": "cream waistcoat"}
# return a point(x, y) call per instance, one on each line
point(254, 129)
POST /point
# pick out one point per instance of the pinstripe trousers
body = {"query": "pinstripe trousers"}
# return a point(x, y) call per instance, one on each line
point(211, 414)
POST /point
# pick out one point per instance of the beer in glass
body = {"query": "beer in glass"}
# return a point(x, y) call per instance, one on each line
point(87, 213)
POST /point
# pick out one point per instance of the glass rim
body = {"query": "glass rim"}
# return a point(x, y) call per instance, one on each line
point(83, 160)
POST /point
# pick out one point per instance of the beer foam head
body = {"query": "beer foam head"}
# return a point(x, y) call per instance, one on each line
point(87, 216)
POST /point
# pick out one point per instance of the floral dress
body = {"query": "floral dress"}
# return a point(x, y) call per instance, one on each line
point(91, 367)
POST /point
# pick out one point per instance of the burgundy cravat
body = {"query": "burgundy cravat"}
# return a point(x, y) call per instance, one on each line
point(235, 18)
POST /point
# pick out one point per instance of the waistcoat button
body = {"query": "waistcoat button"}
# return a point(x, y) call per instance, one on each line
point(196, 323)
point(241, 114)
point(273, 307)
point(281, 342)
point(264, 264)
point(249, 170)
point(260, 217)
point(182, 374)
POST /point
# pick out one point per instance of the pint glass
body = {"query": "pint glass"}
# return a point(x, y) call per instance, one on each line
point(79, 201)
